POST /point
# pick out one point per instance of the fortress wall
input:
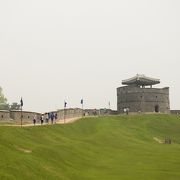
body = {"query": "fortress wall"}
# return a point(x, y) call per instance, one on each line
point(69, 113)
point(99, 112)
point(92, 112)
point(4, 115)
point(143, 99)
point(60, 114)
point(104, 112)
point(27, 117)
point(175, 112)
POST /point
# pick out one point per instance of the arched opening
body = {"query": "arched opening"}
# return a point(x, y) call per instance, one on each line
point(156, 108)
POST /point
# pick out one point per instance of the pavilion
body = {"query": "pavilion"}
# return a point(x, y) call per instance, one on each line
point(141, 80)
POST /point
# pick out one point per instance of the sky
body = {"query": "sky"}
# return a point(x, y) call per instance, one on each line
point(53, 51)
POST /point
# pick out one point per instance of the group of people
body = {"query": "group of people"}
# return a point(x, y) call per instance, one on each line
point(46, 118)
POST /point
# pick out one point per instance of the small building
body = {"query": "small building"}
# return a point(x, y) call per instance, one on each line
point(138, 95)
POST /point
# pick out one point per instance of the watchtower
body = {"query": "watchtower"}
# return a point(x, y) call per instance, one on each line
point(138, 95)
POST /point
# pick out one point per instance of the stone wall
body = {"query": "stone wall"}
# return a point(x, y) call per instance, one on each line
point(143, 99)
point(175, 111)
point(4, 115)
point(27, 117)
point(104, 112)
point(99, 112)
point(92, 112)
point(69, 113)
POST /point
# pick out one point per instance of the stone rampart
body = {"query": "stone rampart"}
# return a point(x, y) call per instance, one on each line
point(175, 112)
point(27, 116)
point(138, 99)
point(4, 115)
point(69, 113)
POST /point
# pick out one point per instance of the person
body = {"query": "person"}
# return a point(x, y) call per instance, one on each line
point(52, 118)
point(127, 111)
point(56, 117)
point(124, 110)
point(34, 119)
point(47, 118)
point(42, 119)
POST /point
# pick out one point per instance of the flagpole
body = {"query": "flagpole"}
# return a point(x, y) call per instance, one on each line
point(21, 103)
point(64, 115)
point(65, 103)
point(21, 116)
point(82, 103)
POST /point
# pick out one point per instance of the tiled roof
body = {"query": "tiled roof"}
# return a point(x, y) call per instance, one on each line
point(141, 80)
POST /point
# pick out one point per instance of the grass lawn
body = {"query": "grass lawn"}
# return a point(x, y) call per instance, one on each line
point(102, 148)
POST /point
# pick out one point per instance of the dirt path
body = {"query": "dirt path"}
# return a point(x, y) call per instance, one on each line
point(62, 121)
point(158, 140)
point(69, 120)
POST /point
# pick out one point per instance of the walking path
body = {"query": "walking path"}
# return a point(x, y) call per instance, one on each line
point(62, 121)
point(69, 120)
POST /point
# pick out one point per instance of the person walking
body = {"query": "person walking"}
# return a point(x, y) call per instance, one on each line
point(52, 118)
point(47, 118)
point(34, 119)
point(56, 117)
point(49, 115)
point(42, 119)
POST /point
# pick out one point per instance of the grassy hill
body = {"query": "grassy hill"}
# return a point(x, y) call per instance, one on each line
point(103, 148)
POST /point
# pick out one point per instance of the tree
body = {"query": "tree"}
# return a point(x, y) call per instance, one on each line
point(15, 106)
point(3, 101)
point(5, 106)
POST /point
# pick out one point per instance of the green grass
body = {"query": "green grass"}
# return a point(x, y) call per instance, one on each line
point(104, 148)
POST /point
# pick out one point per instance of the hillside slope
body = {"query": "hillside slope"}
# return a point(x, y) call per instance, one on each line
point(103, 148)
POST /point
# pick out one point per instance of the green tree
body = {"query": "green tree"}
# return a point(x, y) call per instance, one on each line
point(15, 106)
point(4, 104)
point(2, 97)
point(3, 101)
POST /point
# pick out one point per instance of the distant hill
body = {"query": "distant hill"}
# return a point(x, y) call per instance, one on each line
point(103, 148)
